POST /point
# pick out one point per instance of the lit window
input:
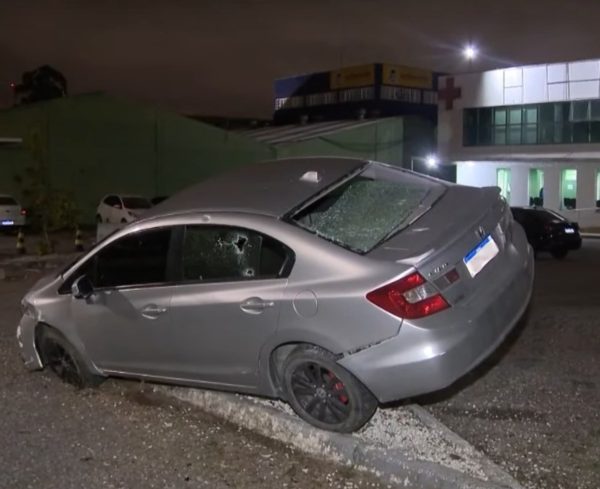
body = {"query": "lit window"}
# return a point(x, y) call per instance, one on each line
point(356, 94)
point(321, 99)
point(503, 181)
point(289, 102)
point(401, 94)
point(536, 187)
point(568, 189)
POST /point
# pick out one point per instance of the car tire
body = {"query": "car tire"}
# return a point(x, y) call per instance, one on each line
point(63, 359)
point(560, 253)
point(123, 221)
point(323, 393)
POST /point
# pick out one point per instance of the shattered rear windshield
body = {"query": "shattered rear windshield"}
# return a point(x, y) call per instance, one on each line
point(369, 208)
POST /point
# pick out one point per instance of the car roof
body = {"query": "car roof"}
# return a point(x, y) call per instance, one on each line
point(270, 188)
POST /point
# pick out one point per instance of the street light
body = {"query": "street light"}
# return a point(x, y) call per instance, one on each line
point(470, 52)
point(430, 160)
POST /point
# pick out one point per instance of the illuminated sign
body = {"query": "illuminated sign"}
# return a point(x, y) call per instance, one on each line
point(403, 76)
point(355, 76)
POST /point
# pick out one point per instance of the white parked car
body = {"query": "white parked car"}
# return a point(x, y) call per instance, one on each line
point(12, 215)
point(121, 209)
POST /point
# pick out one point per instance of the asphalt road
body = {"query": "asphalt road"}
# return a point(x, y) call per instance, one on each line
point(534, 408)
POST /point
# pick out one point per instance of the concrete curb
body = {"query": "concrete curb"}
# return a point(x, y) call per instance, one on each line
point(590, 235)
point(392, 464)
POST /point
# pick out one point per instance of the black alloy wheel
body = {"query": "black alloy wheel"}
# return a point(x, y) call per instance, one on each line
point(323, 393)
point(61, 357)
point(320, 393)
point(61, 363)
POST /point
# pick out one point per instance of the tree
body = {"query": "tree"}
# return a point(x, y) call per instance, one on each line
point(50, 209)
point(43, 83)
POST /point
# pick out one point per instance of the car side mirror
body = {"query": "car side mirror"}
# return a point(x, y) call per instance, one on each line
point(82, 288)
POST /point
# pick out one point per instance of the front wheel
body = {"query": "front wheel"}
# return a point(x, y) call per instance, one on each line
point(323, 393)
point(58, 355)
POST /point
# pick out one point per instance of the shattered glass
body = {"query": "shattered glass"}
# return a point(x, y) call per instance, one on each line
point(220, 254)
point(363, 212)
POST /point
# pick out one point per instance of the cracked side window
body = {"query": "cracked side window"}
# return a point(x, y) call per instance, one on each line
point(222, 253)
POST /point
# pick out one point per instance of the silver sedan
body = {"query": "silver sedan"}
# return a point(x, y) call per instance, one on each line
point(335, 284)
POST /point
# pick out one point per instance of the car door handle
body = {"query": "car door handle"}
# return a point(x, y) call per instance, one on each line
point(152, 311)
point(255, 305)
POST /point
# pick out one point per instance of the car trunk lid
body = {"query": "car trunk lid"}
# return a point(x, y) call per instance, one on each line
point(463, 223)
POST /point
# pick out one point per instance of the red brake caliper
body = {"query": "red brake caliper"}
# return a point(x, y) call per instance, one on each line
point(338, 388)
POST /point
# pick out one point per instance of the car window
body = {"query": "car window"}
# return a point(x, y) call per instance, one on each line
point(5, 200)
point(136, 259)
point(221, 253)
point(136, 203)
point(112, 200)
point(369, 208)
point(548, 216)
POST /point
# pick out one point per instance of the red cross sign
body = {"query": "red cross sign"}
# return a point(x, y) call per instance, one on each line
point(449, 93)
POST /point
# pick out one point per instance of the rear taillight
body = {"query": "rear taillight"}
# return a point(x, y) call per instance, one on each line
point(411, 297)
point(23, 212)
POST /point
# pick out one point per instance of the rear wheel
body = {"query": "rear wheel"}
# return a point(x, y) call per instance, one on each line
point(323, 393)
point(559, 253)
point(58, 355)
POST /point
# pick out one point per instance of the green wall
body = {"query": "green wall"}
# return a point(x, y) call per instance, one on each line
point(97, 144)
point(382, 140)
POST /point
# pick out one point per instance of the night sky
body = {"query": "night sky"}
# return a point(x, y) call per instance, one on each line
point(220, 57)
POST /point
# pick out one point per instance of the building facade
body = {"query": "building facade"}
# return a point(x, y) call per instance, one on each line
point(378, 110)
point(364, 91)
point(533, 131)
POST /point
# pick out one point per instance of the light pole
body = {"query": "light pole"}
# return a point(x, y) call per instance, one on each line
point(430, 160)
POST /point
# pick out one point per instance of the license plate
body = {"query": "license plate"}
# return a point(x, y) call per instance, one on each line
point(481, 255)
point(569, 231)
point(7, 222)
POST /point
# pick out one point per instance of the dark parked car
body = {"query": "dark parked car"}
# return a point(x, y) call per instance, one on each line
point(548, 231)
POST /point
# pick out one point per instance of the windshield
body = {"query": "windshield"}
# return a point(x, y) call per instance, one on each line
point(370, 207)
point(5, 200)
point(136, 203)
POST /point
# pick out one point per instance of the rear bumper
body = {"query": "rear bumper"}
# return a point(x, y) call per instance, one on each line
point(433, 354)
point(13, 222)
point(566, 242)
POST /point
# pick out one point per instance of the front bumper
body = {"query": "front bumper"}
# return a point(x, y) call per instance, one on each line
point(432, 355)
point(26, 342)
